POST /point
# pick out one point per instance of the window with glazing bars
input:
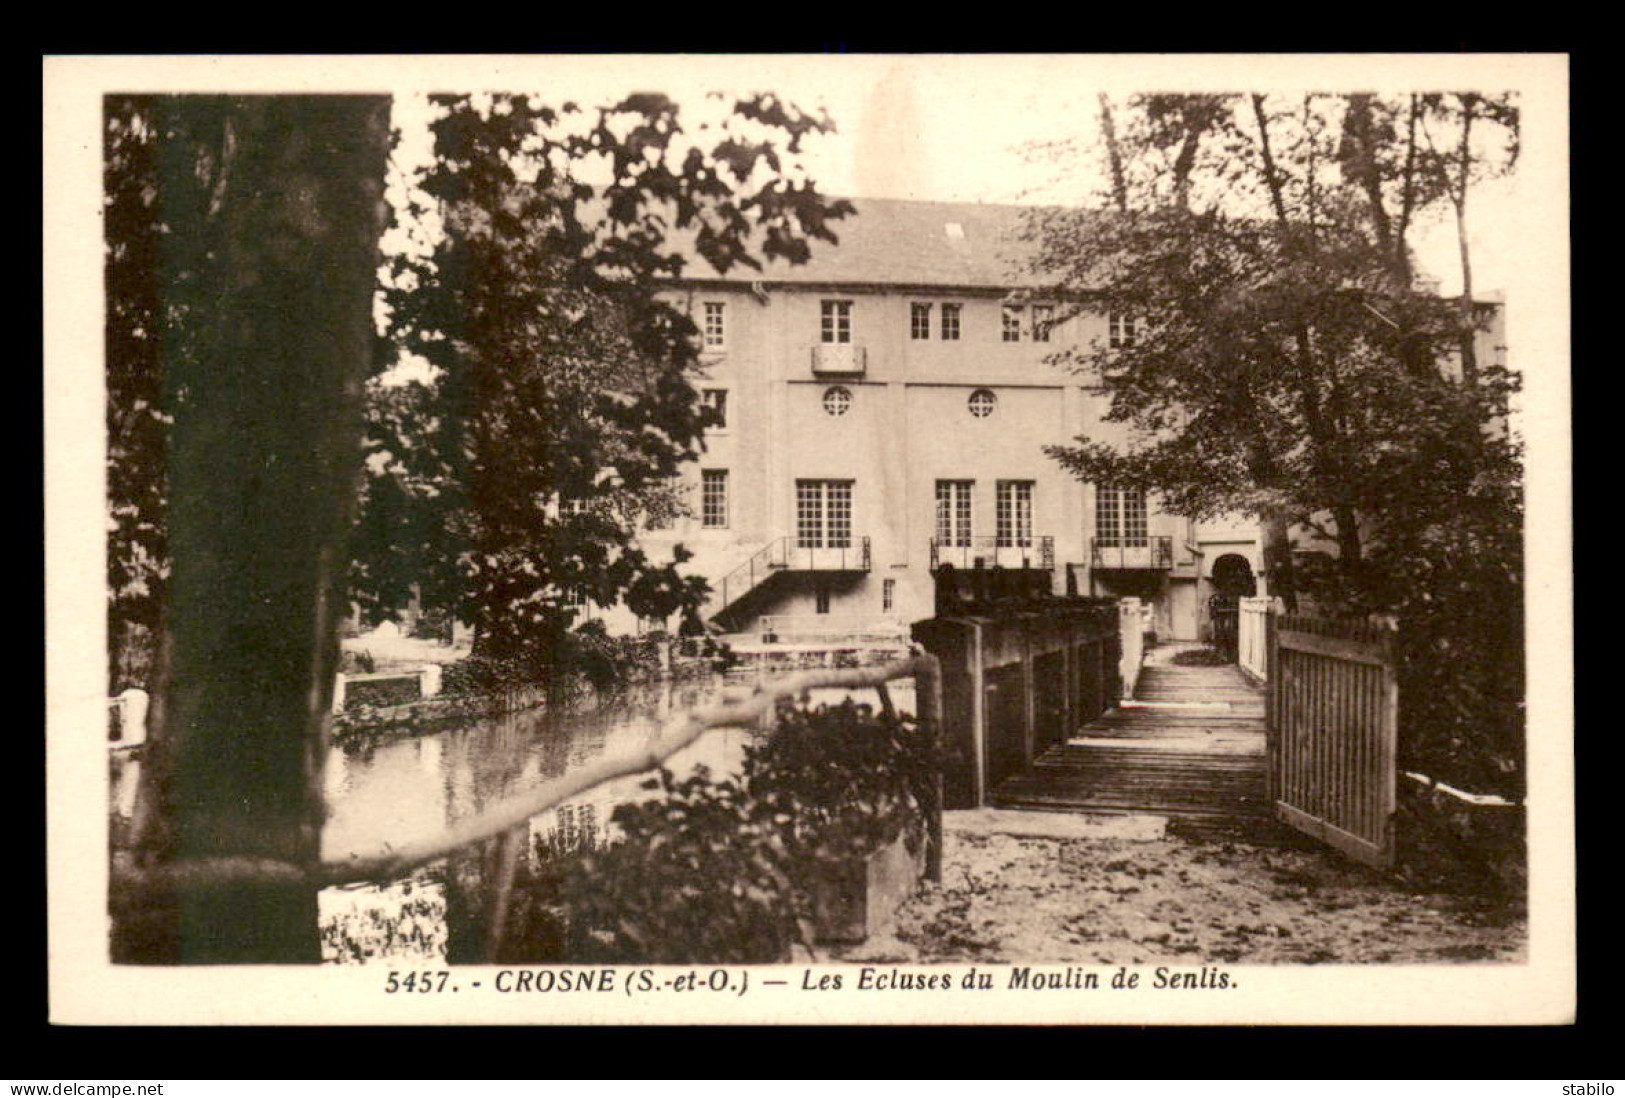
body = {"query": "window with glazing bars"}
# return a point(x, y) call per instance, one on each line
point(950, 321)
point(1012, 323)
point(836, 322)
point(1120, 517)
point(823, 514)
point(919, 320)
point(714, 498)
point(715, 326)
point(1013, 513)
point(888, 593)
point(954, 512)
point(1120, 331)
point(577, 826)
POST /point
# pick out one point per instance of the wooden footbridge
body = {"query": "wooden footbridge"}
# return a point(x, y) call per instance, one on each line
point(1048, 706)
point(1190, 746)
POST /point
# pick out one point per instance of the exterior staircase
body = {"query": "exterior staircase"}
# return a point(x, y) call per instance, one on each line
point(743, 592)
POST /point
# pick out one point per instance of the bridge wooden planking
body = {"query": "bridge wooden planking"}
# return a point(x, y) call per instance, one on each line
point(1202, 769)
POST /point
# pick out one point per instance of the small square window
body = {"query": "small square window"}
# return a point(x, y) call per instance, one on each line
point(1012, 323)
point(715, 326)
point(950, 321)
point(919, 320)
point(716, 402)
point(1043, 322)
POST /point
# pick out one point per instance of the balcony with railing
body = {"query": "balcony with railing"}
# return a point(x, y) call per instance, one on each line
point(1148, 553)
point(839, 359)
point(964, 552)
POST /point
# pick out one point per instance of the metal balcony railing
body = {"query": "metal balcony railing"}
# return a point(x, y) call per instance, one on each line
point(1141, 553)
point(839, 359)
point(1037, 552)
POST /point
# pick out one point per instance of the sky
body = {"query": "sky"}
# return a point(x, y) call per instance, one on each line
point(956, 128)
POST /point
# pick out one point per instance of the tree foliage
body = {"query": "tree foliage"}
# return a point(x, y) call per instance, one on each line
point(513, 483)
point(729, 870)
point(1289, 364)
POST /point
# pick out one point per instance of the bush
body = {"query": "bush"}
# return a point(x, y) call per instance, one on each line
point(848, 782)
point(482, 674)
point(700, 876)
point(434, 623)
point(722, 871)
point(357, 662)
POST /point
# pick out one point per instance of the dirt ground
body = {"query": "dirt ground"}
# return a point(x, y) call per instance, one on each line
point(1114, 901)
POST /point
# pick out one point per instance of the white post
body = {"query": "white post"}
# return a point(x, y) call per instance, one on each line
point(429, 681)
point(338, 693)
point(133, 717)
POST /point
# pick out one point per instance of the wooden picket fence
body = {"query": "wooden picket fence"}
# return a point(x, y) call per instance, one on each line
point(1333, 715)
point(1252, 636)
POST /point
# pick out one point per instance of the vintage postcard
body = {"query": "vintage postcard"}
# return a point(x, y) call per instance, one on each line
point(1066, 539)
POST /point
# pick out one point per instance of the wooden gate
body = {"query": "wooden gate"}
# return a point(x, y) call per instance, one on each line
point(1333, 721)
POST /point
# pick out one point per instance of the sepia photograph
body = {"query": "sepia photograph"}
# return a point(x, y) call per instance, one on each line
point(885, 538)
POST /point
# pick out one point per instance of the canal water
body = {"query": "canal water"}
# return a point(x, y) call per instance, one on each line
point(398, 790)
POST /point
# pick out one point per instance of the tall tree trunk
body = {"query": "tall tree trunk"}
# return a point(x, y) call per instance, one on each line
point(263, 467)
point(1469, 321)
point(1198, 113)
point(1114, 154)
point(1359, 158)
point(1407, 193)
point(1272, 176)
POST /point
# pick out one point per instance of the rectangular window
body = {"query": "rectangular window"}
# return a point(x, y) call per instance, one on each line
point(1043, 322)
point(954, 512)
point(822, 599)
point(715, 325)
point(919, 320)
point(1121, 331)
point(1013, 513)
point(823, 514)
point(577, 827)
point(714, 498)
point(569, 506)
point(1012, 323)
point(1120, 517)
point(836, 322)
point(888, 593)
point(950, 321)
point(716, 401)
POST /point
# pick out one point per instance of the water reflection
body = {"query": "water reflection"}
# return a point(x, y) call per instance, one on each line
point(400, 790)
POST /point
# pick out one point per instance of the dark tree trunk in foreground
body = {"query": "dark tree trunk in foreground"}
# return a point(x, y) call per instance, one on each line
point(265, 455)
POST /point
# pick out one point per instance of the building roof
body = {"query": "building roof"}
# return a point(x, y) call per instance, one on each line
point(905, 242)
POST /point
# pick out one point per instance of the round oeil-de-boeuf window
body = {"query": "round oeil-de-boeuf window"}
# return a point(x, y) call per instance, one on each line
point(981, 403)
point(837, 399)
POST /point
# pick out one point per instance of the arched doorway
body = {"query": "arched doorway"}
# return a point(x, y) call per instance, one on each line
point(1232, 575)
point(1233, 581)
